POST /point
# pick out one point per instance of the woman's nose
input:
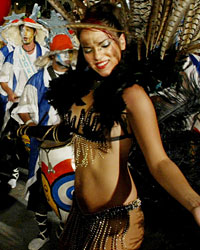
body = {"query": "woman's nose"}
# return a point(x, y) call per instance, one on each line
point(97, 53)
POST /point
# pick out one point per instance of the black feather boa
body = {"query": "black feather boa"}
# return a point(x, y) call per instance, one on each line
point(148, 72)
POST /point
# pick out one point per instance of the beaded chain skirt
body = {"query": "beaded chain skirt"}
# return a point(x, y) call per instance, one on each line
point(102, 230)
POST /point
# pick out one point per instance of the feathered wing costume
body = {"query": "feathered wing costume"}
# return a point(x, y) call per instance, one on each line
point(160, 34)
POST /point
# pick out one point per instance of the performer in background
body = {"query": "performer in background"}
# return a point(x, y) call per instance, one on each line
point(4, 51)
point(52, 165)
point(29, 37)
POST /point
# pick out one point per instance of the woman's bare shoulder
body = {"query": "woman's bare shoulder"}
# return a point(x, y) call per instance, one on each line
point(135, 95)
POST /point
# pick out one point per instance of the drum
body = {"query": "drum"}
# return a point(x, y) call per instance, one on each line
point(58, 174)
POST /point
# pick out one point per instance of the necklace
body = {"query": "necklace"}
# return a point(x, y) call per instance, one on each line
point(28, 50)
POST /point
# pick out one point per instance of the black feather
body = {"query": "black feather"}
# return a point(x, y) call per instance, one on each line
point(176, 105)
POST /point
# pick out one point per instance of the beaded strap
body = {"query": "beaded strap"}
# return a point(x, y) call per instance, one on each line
point(47, 132)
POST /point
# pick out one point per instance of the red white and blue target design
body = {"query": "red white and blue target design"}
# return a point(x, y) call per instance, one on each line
point(58, 184)
point(64, 187)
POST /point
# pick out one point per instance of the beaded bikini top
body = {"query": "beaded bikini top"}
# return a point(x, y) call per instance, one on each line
point(89, 136)
point(89, 126)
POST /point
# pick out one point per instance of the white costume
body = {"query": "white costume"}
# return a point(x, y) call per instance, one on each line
point(17, 69)
point(19, 65)
point(4, 51)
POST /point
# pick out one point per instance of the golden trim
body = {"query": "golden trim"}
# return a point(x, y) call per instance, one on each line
point(86, 150)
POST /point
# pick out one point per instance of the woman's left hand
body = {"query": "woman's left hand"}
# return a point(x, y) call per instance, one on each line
point(196, 214)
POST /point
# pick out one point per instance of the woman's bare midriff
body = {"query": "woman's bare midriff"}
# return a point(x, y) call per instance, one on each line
point(105, 182)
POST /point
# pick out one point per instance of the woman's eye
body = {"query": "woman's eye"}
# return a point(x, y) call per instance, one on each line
point(87, 50)
point(105, 44)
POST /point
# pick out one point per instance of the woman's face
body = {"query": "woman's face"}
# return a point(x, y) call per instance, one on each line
point(101, 51)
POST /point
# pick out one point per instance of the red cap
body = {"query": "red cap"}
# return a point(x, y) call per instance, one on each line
point(61, 42)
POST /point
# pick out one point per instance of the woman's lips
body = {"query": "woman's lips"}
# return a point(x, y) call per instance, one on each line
point(101, 65)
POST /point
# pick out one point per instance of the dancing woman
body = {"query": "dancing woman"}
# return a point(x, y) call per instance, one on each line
point(104, 111)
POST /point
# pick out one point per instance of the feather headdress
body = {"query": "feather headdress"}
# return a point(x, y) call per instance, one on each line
point(152, 23)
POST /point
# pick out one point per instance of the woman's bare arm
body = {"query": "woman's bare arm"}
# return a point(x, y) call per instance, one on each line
point(144, 124)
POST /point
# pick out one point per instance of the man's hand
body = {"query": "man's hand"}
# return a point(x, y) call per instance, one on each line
point(12, 97)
